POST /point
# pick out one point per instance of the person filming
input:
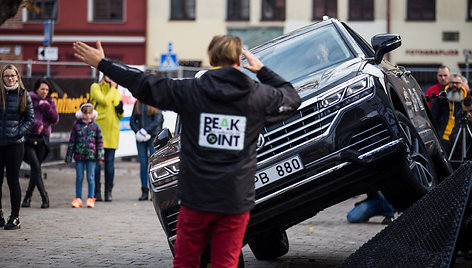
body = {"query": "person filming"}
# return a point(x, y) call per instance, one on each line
point(461, 135)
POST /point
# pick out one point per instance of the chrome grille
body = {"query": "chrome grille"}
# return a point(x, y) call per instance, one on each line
point(171, 219)
point(307, 124)
point(370, 137)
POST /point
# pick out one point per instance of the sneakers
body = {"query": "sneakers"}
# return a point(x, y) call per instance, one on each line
point(90, 202)
point(13, 224)
point(76, 203)
point(387, 220)
point(2, 220)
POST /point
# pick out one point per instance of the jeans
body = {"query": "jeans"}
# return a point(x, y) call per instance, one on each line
point(10, 158)
point(377, 206)
point(79, 170)
point(109, 168)
point(143, 149)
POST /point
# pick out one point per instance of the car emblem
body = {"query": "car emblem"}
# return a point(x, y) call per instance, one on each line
point(260, 142)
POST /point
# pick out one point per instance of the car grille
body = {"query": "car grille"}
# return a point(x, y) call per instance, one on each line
point(369, 137)
point(171, 220)
point(307, 124)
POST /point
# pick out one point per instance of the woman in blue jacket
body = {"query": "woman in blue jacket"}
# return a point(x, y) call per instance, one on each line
point(17, 117)
point(146, 121)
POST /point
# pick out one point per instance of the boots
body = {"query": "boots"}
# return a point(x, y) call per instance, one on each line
point(27, 201)
point(145, 194)
point(98, 195)
point(29, 192)
point(45, 201)
point(108, 188)
point(44, 194)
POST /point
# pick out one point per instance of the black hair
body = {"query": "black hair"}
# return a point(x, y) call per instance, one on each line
point(40, 81)
point(467, 101)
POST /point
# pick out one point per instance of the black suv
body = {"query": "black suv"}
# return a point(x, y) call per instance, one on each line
point(363, 125)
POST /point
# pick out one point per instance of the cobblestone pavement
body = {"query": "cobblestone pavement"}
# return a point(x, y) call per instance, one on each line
point(126, 232)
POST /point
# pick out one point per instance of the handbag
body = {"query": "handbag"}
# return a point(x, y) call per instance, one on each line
point(35, 140)
point(119, 109)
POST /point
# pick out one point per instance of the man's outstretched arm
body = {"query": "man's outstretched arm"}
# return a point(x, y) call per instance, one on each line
point(91, 56)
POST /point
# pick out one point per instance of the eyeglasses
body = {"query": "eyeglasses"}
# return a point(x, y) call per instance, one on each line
point(455, 83)
point(9, 75)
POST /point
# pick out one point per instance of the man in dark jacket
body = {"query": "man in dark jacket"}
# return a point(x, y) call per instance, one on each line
point(222, 113)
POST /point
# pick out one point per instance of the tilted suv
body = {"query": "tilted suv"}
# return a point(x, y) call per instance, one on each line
point(363, 125)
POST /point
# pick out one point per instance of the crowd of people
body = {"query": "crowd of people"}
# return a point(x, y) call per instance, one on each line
point(25, 130)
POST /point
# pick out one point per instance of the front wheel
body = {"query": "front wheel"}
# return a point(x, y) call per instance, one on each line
point(417, 174)
point(269, 246)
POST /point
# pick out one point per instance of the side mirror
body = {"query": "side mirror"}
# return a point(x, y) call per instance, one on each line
point(384, 43)
point(162, 138)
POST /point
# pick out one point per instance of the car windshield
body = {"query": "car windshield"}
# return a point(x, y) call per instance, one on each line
point(304, 54)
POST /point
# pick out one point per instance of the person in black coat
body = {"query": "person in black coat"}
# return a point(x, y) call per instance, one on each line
point(17, 117)
point(222, 113)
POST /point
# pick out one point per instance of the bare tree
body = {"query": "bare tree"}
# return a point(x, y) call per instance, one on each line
point(9, 8)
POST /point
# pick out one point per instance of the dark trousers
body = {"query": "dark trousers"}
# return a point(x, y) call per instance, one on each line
point(109, 164)
point(35, 155)
point(11, 157)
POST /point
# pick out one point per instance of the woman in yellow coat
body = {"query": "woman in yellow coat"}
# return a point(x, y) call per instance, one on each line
point(107, 101)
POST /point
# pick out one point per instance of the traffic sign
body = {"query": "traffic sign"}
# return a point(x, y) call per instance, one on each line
point(169, 62)
point(48, 53)
point(48, 32)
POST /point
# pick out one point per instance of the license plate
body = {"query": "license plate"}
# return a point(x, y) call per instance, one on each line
point(278, 171)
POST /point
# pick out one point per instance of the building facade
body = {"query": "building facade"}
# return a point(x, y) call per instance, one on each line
point(119, 24)
point(434, 32)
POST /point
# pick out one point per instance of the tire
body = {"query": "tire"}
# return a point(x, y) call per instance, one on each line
point(417, 175)
point(270, 246)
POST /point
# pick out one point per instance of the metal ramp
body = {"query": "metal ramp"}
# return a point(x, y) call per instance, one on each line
point(429, 233)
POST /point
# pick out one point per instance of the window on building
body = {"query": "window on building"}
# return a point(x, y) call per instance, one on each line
point(421, 10)
point(324, 7)
point(469, 10)
point(108, 10)
point(237, 10)
point(273, 10)
point(361, 9)
point(47, 10)
point(182, 9)
point(450, 36)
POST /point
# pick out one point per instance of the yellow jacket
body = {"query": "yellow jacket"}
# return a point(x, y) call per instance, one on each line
point(105, 98)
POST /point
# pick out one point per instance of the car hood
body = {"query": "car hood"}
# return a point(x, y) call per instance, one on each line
point(325, 79)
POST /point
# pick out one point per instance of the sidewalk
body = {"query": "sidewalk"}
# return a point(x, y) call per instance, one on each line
point(122, 233)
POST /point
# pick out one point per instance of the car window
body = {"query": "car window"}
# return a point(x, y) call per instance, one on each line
point(364, 45)
point(301, 55)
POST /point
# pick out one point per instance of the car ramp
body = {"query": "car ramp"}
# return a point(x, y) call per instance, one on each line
point(429, 233)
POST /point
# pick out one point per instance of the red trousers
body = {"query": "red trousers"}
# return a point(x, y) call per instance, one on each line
point(194, 228)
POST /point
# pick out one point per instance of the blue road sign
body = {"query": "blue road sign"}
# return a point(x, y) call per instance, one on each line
point(169, 62)
point(48, 32)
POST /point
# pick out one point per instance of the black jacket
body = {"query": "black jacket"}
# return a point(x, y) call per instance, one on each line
point(222, 114)
point(444, 112)
point(13, 124)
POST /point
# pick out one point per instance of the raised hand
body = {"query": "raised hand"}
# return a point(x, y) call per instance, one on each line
point(254, 63)
point(91, 56)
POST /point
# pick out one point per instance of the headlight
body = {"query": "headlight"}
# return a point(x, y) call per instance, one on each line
point(164, 168)
point(165, 173)
point(173, 146)
point(347, 92)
